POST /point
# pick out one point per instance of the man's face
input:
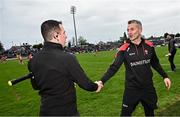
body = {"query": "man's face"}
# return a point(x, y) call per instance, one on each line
point(168, 37)
point(62, 36)
point(134, 31)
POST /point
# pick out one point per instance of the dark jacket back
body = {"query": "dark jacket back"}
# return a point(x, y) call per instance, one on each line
point(55, 72)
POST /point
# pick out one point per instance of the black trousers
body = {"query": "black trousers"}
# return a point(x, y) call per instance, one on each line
point(132, 97)
point(171, 60)
point(65, 110)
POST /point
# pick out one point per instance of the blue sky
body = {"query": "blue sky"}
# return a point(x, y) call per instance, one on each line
point(96, 20)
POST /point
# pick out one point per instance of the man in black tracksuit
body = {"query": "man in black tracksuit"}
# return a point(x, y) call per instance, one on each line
point(138, 56)
point(172, 51)
point(55, 72)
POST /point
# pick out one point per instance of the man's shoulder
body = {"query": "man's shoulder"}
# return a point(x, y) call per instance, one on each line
point(124, 47)
point(149, 43)
point(68, 55)
point(172, 41)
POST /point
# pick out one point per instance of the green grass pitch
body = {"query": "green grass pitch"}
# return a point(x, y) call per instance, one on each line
point(22, 100)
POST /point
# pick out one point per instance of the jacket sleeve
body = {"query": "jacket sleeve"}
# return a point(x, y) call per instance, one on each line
point(79, 75)
point(33, 81)
point(113, 68)
point(156, 65)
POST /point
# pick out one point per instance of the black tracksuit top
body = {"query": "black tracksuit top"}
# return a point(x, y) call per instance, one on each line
point(138, 60)
point(171, 46)
point(55, 72)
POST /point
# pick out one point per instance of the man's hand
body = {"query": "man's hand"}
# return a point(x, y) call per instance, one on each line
point(100, 86)
point(167, 82)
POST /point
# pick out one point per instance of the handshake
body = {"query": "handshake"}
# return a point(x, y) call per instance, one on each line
point(100, 86)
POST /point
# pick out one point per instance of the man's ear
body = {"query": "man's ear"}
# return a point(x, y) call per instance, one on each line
point(55, 35)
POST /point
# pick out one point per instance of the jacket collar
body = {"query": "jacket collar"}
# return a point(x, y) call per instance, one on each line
point(142, 41)
point(51, 45)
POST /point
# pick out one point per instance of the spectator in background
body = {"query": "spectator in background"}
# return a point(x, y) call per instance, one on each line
point(3, 58)
point(30, 56)
point(171, 50)
point(19, 57)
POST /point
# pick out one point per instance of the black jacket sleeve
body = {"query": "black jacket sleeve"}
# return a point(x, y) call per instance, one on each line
point(156, 65)
point(113, 68)
point(33, 81)
point(79, 75)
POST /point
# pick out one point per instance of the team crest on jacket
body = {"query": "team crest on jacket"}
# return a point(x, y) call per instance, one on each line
point(131, 54)
point(146, 51)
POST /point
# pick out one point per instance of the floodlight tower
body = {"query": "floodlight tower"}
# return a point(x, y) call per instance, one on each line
point(73, 10)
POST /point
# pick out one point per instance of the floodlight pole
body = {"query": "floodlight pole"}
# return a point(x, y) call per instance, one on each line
point(73, 10)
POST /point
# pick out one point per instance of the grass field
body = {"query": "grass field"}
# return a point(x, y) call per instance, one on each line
point(22, 100)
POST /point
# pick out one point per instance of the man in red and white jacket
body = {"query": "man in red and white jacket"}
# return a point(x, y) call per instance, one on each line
point(138, 56)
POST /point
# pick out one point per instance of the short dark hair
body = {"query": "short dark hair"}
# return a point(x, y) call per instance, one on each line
point(172, 35)
point(167, 34)
point(47, 27)
point(135, 21)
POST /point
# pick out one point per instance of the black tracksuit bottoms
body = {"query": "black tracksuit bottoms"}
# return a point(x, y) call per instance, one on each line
point(171, 59)
point(132, 97)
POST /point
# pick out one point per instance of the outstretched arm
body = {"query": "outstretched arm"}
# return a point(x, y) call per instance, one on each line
point(79, 76)
point(113, 68)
